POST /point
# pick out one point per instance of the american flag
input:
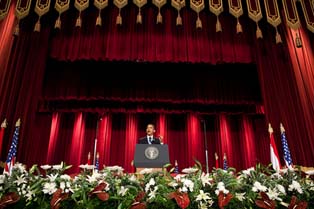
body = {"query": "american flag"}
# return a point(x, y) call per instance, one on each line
point(286, 151)
point(12, 152)
point(97, 162)
point(225, 162)
point(176, 167)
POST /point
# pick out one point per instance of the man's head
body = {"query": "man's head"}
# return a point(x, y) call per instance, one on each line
point(150, 129)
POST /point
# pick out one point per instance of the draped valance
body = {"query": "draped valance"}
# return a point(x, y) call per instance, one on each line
point(256, 10)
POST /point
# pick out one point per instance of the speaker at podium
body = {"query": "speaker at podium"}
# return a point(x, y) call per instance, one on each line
point(154, 156)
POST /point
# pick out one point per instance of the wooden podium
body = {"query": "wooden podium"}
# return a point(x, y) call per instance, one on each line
point(152, 156)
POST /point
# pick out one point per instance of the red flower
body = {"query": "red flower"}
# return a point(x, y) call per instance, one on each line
point(295, 204)
point(57, 197)
point(138, 205)
point(98, 191)
point(266, 202)
point(224, 200)
point(140, 196)
point(181, 198)
point(8, 199)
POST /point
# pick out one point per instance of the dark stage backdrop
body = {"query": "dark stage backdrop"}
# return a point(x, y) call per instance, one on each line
point(149, 87)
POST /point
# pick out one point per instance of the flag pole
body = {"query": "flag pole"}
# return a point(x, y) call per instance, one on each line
point(95, 143)
point(206, 150)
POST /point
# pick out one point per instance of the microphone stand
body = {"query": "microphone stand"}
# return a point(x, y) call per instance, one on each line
point(95, 143)
point(206, 151)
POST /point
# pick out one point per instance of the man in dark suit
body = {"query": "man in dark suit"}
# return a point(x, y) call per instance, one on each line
point(149, 138)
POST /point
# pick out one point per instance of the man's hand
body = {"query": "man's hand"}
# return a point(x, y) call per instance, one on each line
point(160, 139)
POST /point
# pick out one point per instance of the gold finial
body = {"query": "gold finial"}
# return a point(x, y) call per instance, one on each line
point(270, 129)
point(4, 124)
point(282, 129)
point(18, 123)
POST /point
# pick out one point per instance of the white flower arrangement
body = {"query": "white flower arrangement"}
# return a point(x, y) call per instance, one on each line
point(193, 189)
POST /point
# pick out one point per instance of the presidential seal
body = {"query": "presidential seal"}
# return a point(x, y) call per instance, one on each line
point(151, 153)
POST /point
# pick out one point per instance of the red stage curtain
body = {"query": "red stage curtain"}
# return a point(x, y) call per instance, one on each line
point(303, 71)
point(53, 139)
point(161, 128)
point(74, 156)
point(6, 43)
point(178, 142)
point(287, 96)
point(131, 138)
point(104, 140)
point(118, 138)
point(195, 139)
point(226, 143)
point(21, 89)
point(247, 141)
point(185, 138)
point(34, 148)
point(150, 42)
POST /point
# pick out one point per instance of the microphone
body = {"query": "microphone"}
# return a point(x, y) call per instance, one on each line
point(201, 118)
